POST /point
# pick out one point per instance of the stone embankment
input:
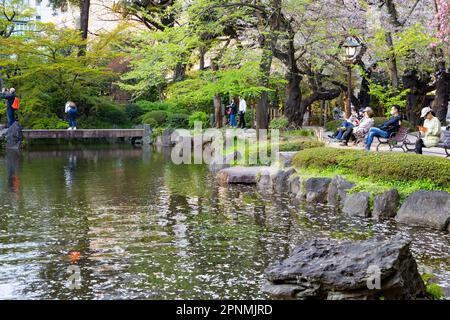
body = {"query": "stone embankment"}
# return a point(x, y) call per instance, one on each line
point(422, 208)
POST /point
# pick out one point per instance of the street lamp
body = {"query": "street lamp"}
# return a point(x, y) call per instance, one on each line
point(350, 45)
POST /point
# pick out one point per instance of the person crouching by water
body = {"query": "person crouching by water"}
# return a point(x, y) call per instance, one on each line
point(71, 110)
point(9, 97)
point(430, 132)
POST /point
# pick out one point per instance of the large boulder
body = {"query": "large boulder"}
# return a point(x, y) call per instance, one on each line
point(316, 189)
point(3, 133)
point(385, 205)
point(426, 208)
point(14, 136)
point(166, 138)
point(240, 175)
point(337, 191)
point(285, 158)
point(357, 204)
point(295, 185)
point(280, 179)
point(327, 269)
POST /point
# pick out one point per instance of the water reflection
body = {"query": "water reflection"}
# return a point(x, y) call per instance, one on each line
point(148, 229)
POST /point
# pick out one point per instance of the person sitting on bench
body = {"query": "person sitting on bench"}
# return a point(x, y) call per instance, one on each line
point(346, 125)
point(364, 126)
point(430, 131)
point(386, 129)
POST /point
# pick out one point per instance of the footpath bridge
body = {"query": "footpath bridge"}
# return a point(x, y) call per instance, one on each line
point(133, 134)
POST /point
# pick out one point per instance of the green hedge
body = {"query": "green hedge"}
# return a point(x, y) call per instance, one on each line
point(386, 166)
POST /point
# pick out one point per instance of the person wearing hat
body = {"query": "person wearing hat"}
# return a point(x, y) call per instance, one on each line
point(430, 132)
point(364, 126)
point(386, 129)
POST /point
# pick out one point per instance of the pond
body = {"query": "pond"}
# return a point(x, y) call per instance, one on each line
point(148, 229)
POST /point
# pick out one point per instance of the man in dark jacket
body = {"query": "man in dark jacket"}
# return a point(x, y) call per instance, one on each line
point(386, 129)
point(9, 96)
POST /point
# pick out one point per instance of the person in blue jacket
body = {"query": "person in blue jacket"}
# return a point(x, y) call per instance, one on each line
point(9, 97)
point(386, 129)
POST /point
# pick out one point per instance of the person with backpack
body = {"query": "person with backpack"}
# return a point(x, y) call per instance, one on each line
point(71, 110)
point(12, 103)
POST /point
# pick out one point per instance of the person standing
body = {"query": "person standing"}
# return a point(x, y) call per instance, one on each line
point(386, 129)
point(430, 131)
point(71, 110)
point(9, 97)
point(233, 112)
point(242, 111)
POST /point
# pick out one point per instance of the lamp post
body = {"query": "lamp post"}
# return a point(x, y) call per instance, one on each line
point(350, 45)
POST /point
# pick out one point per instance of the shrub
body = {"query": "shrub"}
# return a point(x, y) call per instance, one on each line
point(158, 116)
point(177, 120)
point(48, 123)
point(333, 125)
point(112, 114)
point(248, 118)
point(199, 116)
point(434, 291)
point(134, 112)
point(154, 105)
point(151, 122)
point(280, 123)
point(300, 145)
point(300, 133)
point(384, 166)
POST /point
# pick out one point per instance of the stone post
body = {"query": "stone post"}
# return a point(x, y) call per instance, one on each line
point(14, 136)
point(147, 138)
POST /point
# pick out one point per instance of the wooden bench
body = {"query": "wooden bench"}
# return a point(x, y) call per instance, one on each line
point(443, 143)
point(397, 139)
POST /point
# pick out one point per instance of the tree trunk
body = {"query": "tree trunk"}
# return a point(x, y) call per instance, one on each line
point(179, 72)
point(268, 46)
point(416, 97)
point(440, 102)
point(262, 121)
point(217, 101)
point(392, 62)
point(203, 51)
point(294, 98)
point(84, 23)
point(218, 111)
point(363, 95)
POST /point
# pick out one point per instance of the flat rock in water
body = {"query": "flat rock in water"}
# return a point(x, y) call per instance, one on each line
point(427, 209)
point(328, 269)
point(241, 175)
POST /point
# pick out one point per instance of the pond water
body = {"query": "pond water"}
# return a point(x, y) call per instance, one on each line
point(148, 229)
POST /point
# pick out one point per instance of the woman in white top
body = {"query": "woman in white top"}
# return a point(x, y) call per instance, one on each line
point(430, 131)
